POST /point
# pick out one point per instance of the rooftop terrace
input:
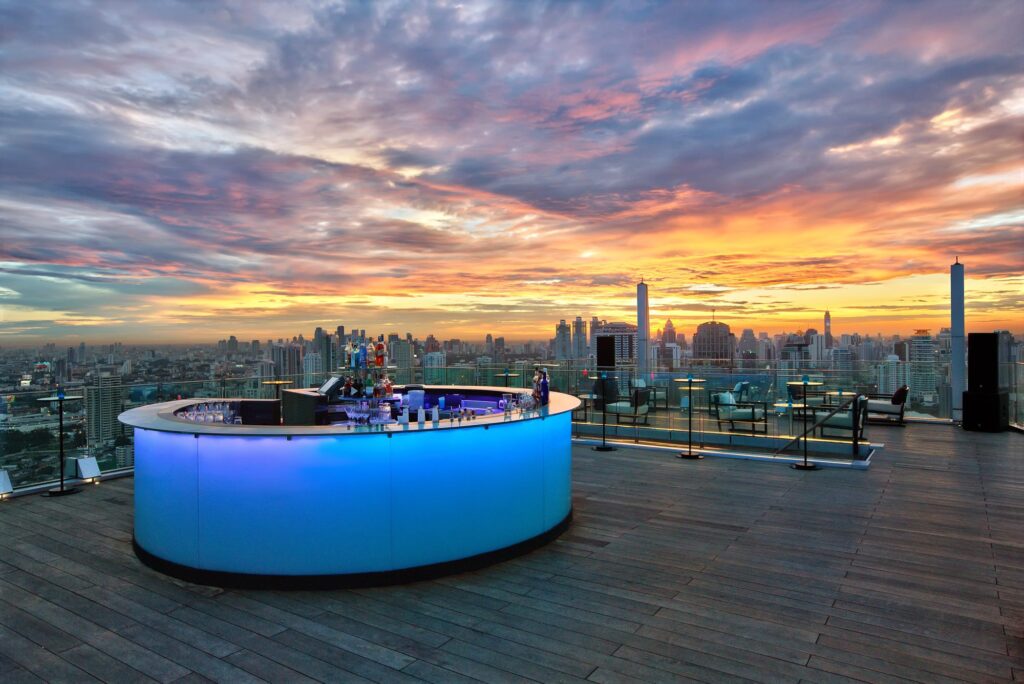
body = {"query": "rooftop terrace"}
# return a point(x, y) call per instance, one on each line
point(713, 570)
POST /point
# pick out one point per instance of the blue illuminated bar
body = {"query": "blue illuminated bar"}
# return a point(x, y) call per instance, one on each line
point(343, 505)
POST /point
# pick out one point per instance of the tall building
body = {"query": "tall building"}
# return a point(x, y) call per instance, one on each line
point(747, 346)
point(828, 330)
point(327, 346)
point(817, 349)
point(923, 378)
point(713, 340)
point(434, 363)
point(579, 338)
point(669, 334)
point(312, 370)
point(891, 374)
point(400, 355)
point(287, 360)
point(563, 341)
point(594, 322)
point(625, 335)
point(102, 405)
point(643, 330)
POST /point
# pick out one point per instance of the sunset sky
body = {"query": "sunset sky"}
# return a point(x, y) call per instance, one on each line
point(187, 171)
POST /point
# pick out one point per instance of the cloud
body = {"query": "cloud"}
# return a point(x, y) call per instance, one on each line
point(463, 156)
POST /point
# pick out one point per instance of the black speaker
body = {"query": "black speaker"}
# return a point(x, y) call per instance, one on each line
point(982, 362)
point(986, 411)
point(605, 351)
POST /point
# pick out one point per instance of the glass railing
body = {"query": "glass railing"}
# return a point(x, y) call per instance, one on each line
point(1011, 376)
point(29, 441)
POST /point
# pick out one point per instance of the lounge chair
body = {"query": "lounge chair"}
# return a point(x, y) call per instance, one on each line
point(725, 408)
point(659, 393)
point(635, 410)
point(886, 409)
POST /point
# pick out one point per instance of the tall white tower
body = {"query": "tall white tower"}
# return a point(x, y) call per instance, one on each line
point(957, 360)
point(643, 330)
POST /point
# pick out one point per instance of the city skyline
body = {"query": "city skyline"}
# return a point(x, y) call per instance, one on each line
point(182, 173)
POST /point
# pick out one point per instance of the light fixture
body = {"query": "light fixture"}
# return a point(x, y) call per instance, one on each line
point(5, 485)
point(87, 469)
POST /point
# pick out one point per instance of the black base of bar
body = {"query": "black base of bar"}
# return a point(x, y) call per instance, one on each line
point(690, 456)
point(57, 491)
point(803, 466)
point(235, 580)
point(604, 447)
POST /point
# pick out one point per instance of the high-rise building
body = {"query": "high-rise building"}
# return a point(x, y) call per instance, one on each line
point(431, 345)
point(103, 399)
point(594, 323)
point(287, 360)
point(625, 335)
point(489, 345)
point(643, 332)
point(891, 374)
point(817, 350)
point(434, 363)
point(563, 341)
point(923, 379)
point(668, 336)
point(312, 370)
point(828, 330)
point(579, 338)
point(713, 340)
point(400, 355)
point(747, 346)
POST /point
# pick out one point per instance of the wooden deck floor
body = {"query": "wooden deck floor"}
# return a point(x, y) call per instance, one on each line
point(716, 570)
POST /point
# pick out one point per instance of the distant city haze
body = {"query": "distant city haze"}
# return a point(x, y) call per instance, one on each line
point(178, 173)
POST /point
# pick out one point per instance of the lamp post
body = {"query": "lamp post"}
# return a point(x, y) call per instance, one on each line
point(604, 416)
point(804, 382)
point(60, 398)
point(689, 454)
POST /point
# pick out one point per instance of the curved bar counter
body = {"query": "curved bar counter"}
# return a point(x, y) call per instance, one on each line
point(336, 505)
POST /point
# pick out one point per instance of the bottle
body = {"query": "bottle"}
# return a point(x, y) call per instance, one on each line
point(420, 415)
point(544, 393)
point(404, 419)
point(434, 415)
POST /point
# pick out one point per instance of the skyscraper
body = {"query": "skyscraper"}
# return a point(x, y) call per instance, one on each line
point(714, 340)
point(828, 330)
point(643, 330)
point(102, 406)
point(625, 335)
point(923, 378)
point(957, 350)
point(312, 370)
point(669, 335)
point(400, 355)
point(563, 341)
point(579, 338)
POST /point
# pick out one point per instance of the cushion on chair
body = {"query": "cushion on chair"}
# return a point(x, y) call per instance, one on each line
point(843, 420)
point(619, 407)
point(882, 406)
point(742, 413)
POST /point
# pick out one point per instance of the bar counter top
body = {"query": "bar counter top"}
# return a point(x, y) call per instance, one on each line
point(161, 417)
